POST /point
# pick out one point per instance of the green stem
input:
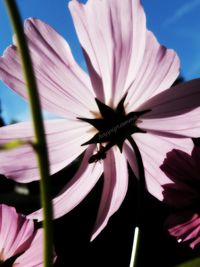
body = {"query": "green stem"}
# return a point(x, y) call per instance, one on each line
point(39, 133)
point(141, 188)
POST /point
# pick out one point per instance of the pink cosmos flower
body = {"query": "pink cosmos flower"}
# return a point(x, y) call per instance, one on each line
point(17, 236)
point(125, 95)
point(183, 195)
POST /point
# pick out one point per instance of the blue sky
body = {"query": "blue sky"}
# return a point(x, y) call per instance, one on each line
point(176, 24)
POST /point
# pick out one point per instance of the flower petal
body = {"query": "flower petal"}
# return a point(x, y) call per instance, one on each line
point(64, 88)
point(153, 150)
point(131, 158)
point(16, 232)
point(185, 226)
point(33, 256)
point(64, 139)
point(114, 45)
point(159, 69)
point(175, 111)
point(77, 189)
point(183, 170)
point(183, 195)
point(114, 188)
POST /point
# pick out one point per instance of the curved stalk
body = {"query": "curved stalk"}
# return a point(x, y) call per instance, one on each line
point(39, 134)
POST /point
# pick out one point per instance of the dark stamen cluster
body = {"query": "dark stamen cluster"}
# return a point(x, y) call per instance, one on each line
point(114, 127)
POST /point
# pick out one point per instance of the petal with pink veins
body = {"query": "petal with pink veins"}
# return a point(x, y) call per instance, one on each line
point(153, 150)
point(185, 125)
point(77, 189)
point(16, 232)
point(172, 102)
point(114, 188)
point(185, 226)
point(64, 139)
point(64, 88)
point(159, 69)
point(33, 256)
point(175, 111)
point(114, 45)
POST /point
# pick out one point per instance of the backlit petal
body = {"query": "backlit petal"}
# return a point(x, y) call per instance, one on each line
point(153, 150)
point(185, 226)
point(77, 189)
point(64, 139)
point(159, 69)
point(131, 158)
point(114, 188)
point(16, 232)
point(64, 88)
point(175, 111)
point(33, 256)
point(114, 44)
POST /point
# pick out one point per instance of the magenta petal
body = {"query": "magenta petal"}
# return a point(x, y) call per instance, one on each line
point(115, 44)
point(33, 256)
point(183, 170)
point(185, 227)
point(183, 194)
point(153, 150)
point(64, 88)
point(77, 189)
point(159, 69)
point(64, 139)
point(16, 232)
point(114, 188)
point(175, 110)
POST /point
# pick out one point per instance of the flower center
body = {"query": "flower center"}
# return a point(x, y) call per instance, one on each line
point(114, 127)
